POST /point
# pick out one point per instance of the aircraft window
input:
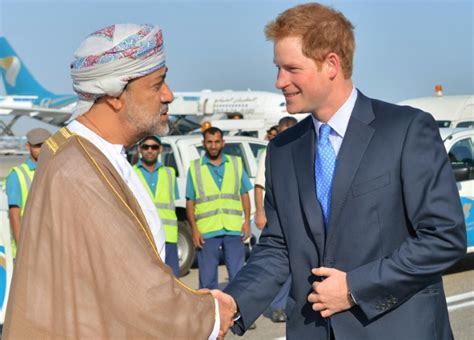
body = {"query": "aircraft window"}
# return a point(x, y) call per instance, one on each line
point(465, 125)
point(282, 104)
point(168, 159)
point(443, 123)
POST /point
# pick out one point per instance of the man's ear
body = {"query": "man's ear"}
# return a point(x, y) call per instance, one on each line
point(332, 64)
point(116, 103)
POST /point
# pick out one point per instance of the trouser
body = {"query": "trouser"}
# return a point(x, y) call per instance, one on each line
point(172, 257)
point(208, 259)
point(279, 302)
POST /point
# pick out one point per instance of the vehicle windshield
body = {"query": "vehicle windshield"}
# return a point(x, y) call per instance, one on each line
point(465, 124)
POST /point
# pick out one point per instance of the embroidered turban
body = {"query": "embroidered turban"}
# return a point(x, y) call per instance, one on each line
point(108, 59)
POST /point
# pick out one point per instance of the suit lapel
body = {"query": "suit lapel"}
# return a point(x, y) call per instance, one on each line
point(356, 140)
point(303, 161)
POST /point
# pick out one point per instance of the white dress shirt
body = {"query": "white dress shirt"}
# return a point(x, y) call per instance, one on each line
point(338, 122)
point(115, 153)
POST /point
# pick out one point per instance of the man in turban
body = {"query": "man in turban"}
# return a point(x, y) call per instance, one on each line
point(91, 260)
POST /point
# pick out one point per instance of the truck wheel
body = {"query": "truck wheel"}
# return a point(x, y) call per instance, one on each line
point(185, 248)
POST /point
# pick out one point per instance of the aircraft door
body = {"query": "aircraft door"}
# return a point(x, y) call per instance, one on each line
point(208, 106)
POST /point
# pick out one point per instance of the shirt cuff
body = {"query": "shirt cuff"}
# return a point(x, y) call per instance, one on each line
point(217, 322)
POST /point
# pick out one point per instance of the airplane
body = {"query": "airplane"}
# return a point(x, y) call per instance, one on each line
point(196, 108)
point(187, 112)
point(18, 81)
point(16, 109)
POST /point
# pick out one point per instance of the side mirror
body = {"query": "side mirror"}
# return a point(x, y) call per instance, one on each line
point(461, 171)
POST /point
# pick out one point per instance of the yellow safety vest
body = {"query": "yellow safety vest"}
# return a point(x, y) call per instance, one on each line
point(25, 177)
point(163, 198)
point(218, 209)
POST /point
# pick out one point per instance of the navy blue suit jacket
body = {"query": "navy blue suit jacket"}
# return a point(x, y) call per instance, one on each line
point(395, 225)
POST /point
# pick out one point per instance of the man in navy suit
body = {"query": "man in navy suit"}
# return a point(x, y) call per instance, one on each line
point(361, 203)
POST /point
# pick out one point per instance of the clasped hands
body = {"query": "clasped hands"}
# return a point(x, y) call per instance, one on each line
point(331, 295)
point(227, 310)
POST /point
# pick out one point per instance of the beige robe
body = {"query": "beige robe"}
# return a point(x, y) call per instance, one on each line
point(87, 266)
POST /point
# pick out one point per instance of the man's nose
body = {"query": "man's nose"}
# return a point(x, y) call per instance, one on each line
point(166, 94)
point(282, 79)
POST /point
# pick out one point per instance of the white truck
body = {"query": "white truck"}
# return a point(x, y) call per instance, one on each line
point(455, 118)
point(449, 111)
point(459, 144)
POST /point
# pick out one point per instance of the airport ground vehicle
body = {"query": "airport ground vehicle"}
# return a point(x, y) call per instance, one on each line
point(449, 111)
point(178, 152)
point(459, 144)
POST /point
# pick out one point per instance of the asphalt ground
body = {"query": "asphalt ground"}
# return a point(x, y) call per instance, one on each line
point(458, 284)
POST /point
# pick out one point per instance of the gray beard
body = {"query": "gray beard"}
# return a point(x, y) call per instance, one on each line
point(163, 129)
point(146, 127)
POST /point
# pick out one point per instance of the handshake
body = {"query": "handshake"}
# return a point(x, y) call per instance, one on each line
point(227, 310)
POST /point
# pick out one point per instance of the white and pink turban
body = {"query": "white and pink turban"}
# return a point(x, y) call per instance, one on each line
point(108, 59)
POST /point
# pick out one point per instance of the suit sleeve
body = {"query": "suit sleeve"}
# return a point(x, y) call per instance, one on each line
point(433, 209)
point(267, 268)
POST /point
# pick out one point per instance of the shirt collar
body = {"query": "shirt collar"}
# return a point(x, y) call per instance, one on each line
point(340, 120)
point(206, 160)
point(97, 140)
point(114, 152)
point(30, 163)
point(158, 165)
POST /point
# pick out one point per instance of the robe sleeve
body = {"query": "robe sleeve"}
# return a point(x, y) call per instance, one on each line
point(88, 270)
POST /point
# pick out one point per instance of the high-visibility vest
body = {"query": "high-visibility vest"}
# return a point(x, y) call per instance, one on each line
point(163, 198)
point(217, 209)
point(25, 177)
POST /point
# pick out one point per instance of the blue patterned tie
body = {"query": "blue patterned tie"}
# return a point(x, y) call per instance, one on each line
point(324, 171)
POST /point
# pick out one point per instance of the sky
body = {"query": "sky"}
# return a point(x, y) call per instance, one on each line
point(403, 48)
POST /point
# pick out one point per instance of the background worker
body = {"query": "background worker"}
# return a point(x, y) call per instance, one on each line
point(277, 307)
point(160, 183)
point(19, 181)
point(271, 133)
point(216, 197)
point(260, 220)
